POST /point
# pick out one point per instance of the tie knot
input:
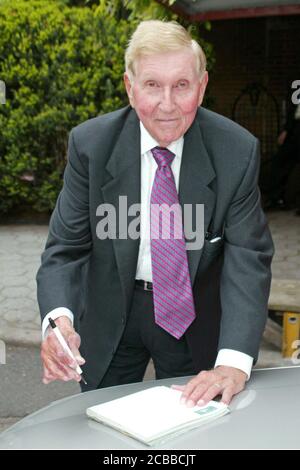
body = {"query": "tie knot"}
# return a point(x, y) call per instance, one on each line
point(163, 156)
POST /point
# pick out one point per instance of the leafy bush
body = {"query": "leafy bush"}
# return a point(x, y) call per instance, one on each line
point(61, 66)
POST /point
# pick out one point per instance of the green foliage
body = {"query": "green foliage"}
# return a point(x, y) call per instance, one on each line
point(80, 3)
point(61, 66)
point(62, 62)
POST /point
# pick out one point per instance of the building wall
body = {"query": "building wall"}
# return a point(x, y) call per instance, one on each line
point(264, 50)
point(256, 49)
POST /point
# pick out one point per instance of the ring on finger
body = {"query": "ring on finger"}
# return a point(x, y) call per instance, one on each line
point(217, 385)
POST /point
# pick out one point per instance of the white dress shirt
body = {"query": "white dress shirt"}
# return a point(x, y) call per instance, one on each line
point(148, 169)
point(226, 357)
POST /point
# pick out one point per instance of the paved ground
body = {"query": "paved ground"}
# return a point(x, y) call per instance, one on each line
point(21, 390)
point(285, 228)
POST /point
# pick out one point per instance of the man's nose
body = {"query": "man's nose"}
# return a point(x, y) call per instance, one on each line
point(167, 103)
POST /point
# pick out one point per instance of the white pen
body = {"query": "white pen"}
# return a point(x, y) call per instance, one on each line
point(65, 346)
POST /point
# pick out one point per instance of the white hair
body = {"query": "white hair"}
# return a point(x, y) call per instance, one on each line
point(155, 36)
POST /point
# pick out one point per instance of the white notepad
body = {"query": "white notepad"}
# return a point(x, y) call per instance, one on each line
point(154, 414)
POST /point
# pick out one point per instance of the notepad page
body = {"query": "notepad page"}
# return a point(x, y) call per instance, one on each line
point(149, 412)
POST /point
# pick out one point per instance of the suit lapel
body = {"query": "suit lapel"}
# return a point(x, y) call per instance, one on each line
point(124, 167)
point(195, 174)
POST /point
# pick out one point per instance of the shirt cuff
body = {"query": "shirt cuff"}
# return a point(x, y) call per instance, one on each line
point(237, 359)
point(57, 312)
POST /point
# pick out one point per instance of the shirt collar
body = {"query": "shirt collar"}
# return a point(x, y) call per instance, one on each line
point(148, 143)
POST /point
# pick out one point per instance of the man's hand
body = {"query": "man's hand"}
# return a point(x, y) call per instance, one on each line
point(225, 381)
point(58, 365)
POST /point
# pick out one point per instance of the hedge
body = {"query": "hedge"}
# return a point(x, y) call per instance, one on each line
point(61, 66)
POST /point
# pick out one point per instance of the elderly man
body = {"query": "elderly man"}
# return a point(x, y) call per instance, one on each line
point(198, 311)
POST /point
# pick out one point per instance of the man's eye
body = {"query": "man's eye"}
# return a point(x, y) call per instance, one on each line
point(181, 85)
point(151, 84)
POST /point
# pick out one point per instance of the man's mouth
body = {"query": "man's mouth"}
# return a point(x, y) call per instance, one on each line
point(168, 120)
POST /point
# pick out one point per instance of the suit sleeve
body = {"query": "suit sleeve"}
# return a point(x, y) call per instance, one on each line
point(59, 279)
point(246, 274)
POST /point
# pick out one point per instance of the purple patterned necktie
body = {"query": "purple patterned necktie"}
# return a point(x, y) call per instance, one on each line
point(172, 292)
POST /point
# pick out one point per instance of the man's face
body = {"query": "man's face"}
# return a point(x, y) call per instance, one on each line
point(166, 92)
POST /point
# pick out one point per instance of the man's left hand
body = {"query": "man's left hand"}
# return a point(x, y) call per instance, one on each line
point(225, 381)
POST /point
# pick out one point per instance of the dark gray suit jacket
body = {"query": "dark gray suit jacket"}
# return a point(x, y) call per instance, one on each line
point(95, 278)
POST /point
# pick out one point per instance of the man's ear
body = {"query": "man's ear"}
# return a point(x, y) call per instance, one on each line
point(128, 86)
point(203, 85)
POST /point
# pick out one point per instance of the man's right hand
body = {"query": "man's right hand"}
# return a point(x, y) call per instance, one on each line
point(57, 364)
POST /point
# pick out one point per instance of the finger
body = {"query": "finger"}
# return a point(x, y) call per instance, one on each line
point(197, 394)
point(74, 344)
point(61, 372)
point(227, 395)
point(178, 387)
point(68, 371)
point(59, 364)
point(56, 351)
point(57, 371)
point(62, 361)
point(46, 381)
point(231, 388)
point(52, 353)
point(53, 346)
point(64, 358)
point(197, 381)
point(212, 392)
point(47, 376)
